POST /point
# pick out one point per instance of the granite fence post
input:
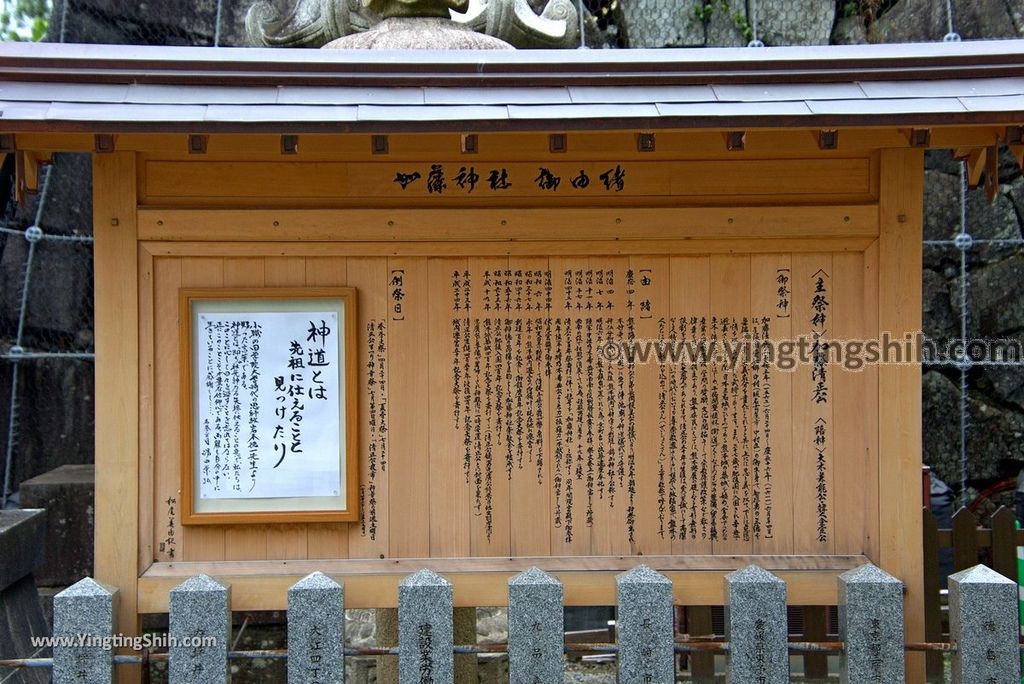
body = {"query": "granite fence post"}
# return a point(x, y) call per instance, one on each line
point(425, 638)
point(644, 627)
point(755, 627)
point(84, 611)
point(200, 631)
point(535, 640)
point(316, 630)
point(984, 627)
point(870, 626)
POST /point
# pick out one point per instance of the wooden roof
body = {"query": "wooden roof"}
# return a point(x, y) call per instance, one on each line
point(160, 89)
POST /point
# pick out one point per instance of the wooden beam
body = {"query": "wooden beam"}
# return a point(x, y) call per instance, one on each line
point(259, 588)
point(899, 414)
point(379, 225)
point(117, 384)
point(530, 146)
point(511, 248)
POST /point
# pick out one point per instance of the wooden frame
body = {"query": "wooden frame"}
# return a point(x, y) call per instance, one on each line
point(341, 508)
point(145, 254)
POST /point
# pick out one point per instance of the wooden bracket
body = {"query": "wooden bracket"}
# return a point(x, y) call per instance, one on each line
point(1014, 139)
point(828, 139)
point(103, 143)
point(1018, 153)
point(197, 144)
point(26, 173)
point(975, 158)
point(992, 173)
point(289, 144)
point(920, 137)
point(736, 141)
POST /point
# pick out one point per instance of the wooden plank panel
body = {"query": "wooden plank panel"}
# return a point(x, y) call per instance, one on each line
point(147, 476)
point(450, 512)
point(202, 542)
point(730, 301)
point(652, 304)
point(871, 483)
point(408, 433)
point(327, 540)
point(529, 488)
point(771, 300)
point(813, 426)
point(166, 407)
point(850, 404)
point(899, 409)
point(691, 300)
point(603, 536)
point(286, 541)
point(617, 384)
point(570, 534)
point(117, 405)
point(245, 541)
point(771, 177)
point(490, 530)
point(369, 538)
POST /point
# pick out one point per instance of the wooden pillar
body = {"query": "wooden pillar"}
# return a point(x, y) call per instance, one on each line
point(117, 385)
point(899, 386)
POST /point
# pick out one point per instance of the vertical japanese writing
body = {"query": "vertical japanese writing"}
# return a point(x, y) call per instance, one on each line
point(766, 405)
point(377, 412)
point(425, 648)
point(314, 635)
point(170, 543)
point(662, 434)
point(783, 292)
point(397, 294)
point(819, 377)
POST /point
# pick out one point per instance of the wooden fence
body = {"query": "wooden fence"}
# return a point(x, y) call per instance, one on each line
point(963, 545)
point(982, 617)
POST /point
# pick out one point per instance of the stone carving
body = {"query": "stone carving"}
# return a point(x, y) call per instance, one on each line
point(316, 23)
point(415, 8)
point(514, 22)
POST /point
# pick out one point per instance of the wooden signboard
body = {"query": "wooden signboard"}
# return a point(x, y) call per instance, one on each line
point(530, 374)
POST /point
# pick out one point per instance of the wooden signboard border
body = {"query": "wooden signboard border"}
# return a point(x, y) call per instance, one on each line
point(349, 512)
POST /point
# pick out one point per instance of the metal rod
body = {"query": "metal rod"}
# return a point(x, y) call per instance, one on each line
point(85, 356)
point(681, 646)
point(216, 28)
point(964, 241)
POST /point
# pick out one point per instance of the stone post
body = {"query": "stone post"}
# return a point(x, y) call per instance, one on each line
point(535, 640)
point(984, 627)
point(425, 638)
point(316, 631)
point(645, 627)
point(200, 612)
point(86, 610)
point(870, 626)
point(756, 628)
